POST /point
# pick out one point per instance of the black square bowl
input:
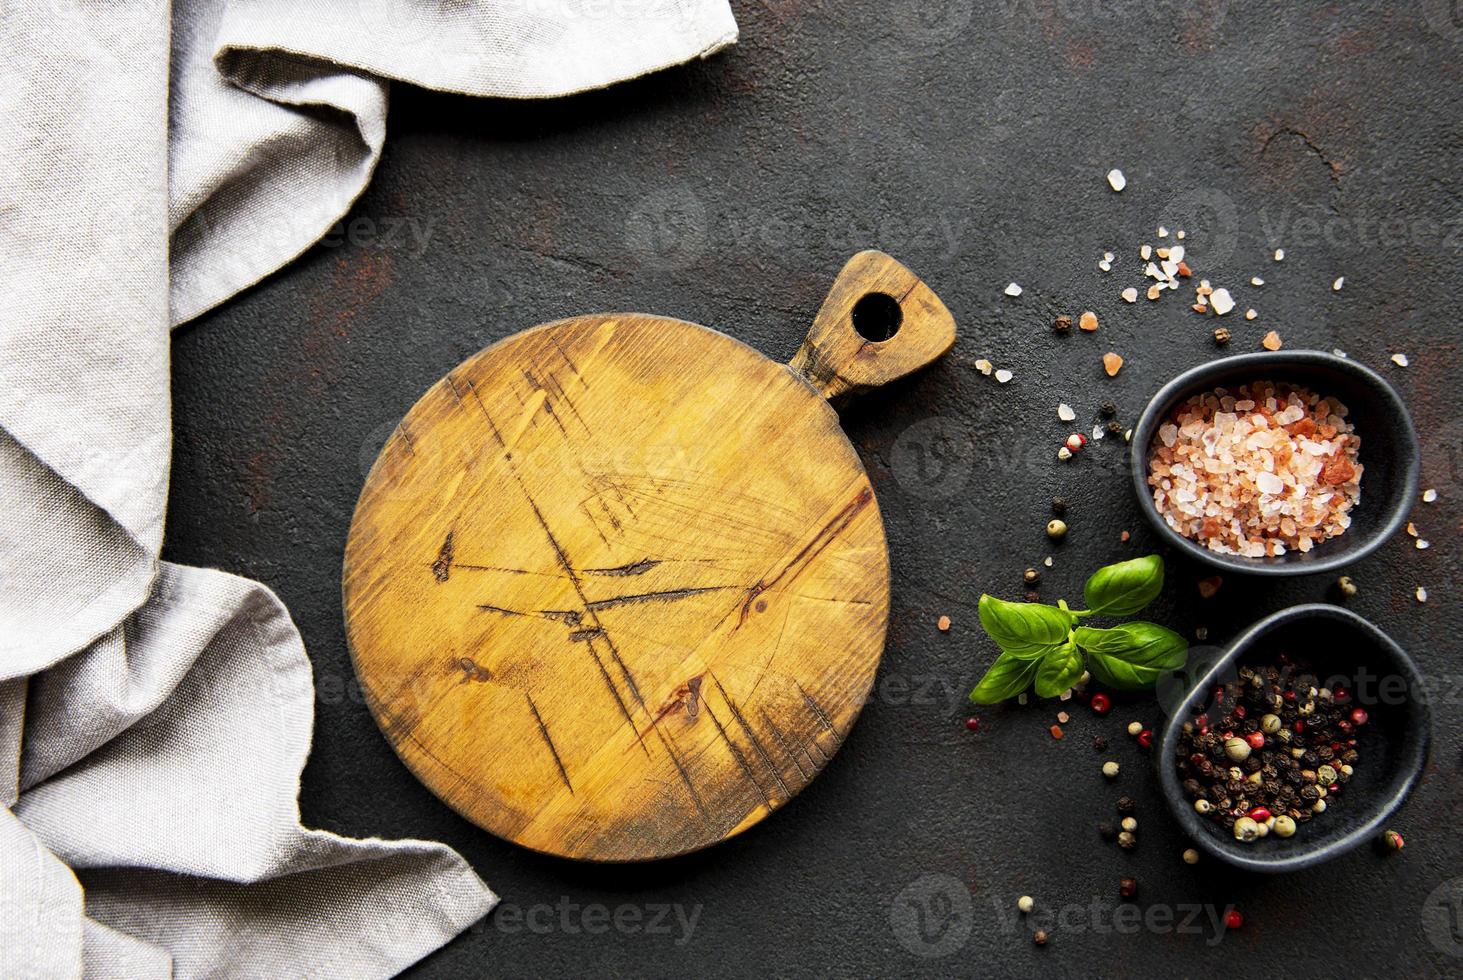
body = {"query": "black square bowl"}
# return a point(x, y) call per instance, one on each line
point(1337, 646)
point(1389, 453)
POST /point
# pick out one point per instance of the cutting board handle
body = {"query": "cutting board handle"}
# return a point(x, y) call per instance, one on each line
point(879, 322)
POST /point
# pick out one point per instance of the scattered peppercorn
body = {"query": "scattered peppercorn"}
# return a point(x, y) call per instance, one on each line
point(972, 724)
point(1101, 704)
point(1114, 428)
point(1127, 841)
point(1062, 324)
point(1031, 595)
point(1393, 840)
point(1110, 769)
point(1099, 742)
point(1126, 806)
point(1040, 937)
point(1191, 856)
point(1107, 831)
point(1056, 529)
point(1233, 919)
point(1031, 576)
point(1025, 903)
point(1059, 506)
point(1108, 410)
point(1221, 335)
point(1128, 887)
point(1346, 585)
point(1134, 727)
point(1130, 824)
point(1209, 586)
point(1145, 739)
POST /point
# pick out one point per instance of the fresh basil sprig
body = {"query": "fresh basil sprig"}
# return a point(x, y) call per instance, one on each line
point(1044, 646)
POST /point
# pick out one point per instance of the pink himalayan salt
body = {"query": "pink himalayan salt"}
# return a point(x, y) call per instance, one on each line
point(1265, 469)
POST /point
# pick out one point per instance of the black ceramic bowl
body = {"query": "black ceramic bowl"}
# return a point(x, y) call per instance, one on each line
point(1389, 453)
point(1338, 646)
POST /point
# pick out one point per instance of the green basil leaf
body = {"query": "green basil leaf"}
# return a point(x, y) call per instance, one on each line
point(1024, 629)
point(1133, 655)
point(1058, 670)
point(1124, 588)
point(1006, 678)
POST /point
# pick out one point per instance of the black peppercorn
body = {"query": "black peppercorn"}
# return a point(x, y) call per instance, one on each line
point(1221, 335)
point(1126, 806)
point(1128, 887)
point(1040, 937)
point(1059, 506)
point(1107, 831)
point(1062, 324)
point(1099, 743)
point(1032, 595)
point(1127, 841)
point(1108, 410)
point(1114, 428)
point(1032, 577)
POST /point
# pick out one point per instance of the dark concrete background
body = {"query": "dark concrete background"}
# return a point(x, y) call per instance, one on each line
point(970, 143)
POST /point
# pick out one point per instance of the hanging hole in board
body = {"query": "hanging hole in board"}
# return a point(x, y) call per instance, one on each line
point(877, 317)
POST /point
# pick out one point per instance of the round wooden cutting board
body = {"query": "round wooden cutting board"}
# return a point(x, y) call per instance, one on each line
point(616, 587)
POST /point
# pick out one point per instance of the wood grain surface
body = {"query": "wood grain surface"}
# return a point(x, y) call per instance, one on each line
point(617, 587)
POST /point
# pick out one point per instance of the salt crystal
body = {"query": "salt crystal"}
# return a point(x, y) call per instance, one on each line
point(1048, 562)
point(1179, 234)
point(1421, 545)
point(1339, 352)
point(1170, 268)
point(1280, 255)
point(1108, 256)
point(1116, 180)
point(1428, 496)
point(1177, 253)
point(1145, 253)
point(1105, 265)
point(1065, 412)
point(1257, 281)
point(1003, 375)
point(1130, 294)
point(1221, 301)
point(985, 367)
point(1336, 286)
point(1399, 359)
point(1162, 232)
point(1421, 594)
point(1013, 290)
point(1098, 431)
point(1250, 314)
